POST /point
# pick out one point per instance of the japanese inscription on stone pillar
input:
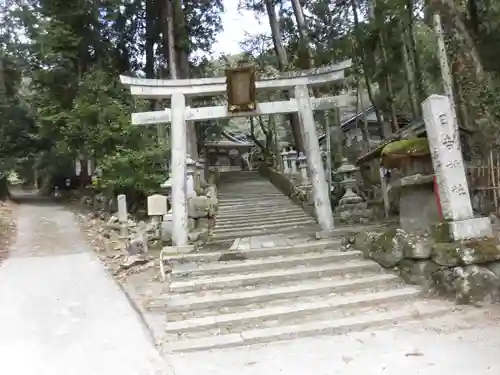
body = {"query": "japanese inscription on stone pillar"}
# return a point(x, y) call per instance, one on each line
point(444, 143)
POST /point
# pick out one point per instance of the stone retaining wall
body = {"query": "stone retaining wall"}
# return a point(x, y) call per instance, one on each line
point(468, 271)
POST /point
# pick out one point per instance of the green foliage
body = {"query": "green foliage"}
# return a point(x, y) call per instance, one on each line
point(60, 98)
point(133, 172)
point(99, 121)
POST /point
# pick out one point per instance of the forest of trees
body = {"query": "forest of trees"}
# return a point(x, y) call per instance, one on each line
point(60, 62)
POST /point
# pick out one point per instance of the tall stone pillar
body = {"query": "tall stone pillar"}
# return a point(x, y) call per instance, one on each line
point(444, 143)
point(178, 157)
point(319, 183)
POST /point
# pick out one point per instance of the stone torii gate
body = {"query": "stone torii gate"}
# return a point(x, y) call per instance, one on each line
point(179, 113)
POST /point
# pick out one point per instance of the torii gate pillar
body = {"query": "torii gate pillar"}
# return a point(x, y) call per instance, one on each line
point(180, 228)
point(321, 195)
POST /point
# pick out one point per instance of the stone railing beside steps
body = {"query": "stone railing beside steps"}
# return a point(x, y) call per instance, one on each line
point(293, 181)
point(299, 194)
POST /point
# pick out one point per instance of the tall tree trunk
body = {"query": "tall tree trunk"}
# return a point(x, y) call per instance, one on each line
point(410, 76)
point(181, 39)
point(150, 66)
point(389, 98)
point(361, 58)
point(150, 38)
point(283, 66)
point(169, 39)
point(414, 57)
point(4, 183)
point(360, 108)
point(181, 36)
point(305, 48)
point(174, 24)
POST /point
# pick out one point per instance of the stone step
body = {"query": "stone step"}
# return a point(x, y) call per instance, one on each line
point(237, 198)
point(240, 174)
point(264, 213)
point(273, 276)
point(181, 303)
point(213, 256)
point(258, 211)
point(246, 190)
point(254, 203)
point(266, 226)
point(310, 229)
point(259, 220)
point(247, 187)
point(289, 311)
point(265, 264)
point(229, 185)
point(243, 223)
point(284, 203)
point(229, 182)
point(253, 206)
point(407, 312)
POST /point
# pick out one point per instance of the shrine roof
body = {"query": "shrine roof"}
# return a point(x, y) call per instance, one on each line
point(416, 128)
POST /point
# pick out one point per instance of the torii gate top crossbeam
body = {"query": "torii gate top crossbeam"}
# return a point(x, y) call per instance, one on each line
point(164, 88)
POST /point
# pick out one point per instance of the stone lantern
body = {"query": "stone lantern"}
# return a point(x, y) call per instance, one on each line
point(351, 208)
point(167, 185)
point(190, 173)
point(302, 159)
point(292, 157)
point(348, 173)
point(200, 166)
point(167, 223)
point(284, 156)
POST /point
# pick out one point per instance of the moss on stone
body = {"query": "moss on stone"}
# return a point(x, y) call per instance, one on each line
point(489, 248)
point(384, 242)
point(408, 147)
point(440, 232)
point(386, 249)
point(467, 252)
point(447, 253)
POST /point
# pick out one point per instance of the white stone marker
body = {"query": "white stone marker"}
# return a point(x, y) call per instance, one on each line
point(157, 205)
point(444, 143)
point(122, 214)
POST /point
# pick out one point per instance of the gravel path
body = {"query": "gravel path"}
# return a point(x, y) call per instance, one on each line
point(60, 311)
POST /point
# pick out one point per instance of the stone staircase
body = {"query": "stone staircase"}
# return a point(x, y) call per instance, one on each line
point(249, 205)
point(277, 286)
